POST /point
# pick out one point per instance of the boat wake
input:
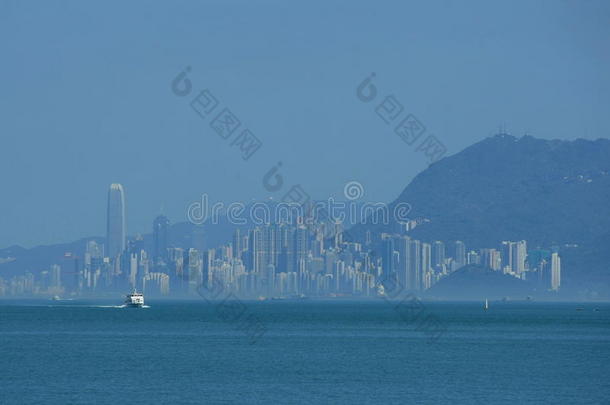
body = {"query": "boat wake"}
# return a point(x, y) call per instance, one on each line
point(108, 306)
point(126, 306)
point(85, 306)
point(92, 306)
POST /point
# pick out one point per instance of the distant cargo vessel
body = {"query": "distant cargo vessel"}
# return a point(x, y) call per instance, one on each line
point(134, 300)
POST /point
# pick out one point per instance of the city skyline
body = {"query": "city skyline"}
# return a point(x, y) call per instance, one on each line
point(277, 260)
point(322, 246)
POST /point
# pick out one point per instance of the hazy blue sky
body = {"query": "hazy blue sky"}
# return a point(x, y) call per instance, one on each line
point(85, 96)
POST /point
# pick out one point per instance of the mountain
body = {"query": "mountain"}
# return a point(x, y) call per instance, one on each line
point(477, 282)
point(548, 192)
point(15, 260)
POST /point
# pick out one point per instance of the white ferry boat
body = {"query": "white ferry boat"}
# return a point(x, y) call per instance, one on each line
point(135, 300)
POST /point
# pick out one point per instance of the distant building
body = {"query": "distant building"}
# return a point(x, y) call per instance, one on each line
point(414, 279)
point(237, 243)
point(473, 258)
point(426, 258)
point(115, 226)
point(438, 254)
point(519, 257)
point(555, 271)
point(507, 255)
point(160, 239)
point(158, 281)
point(70, 273)
point(459, 253)
point(254, 254)
point(195, 270)
point(55, 279)
point(402, 247)
point(514, 255)
point(387, 258)
point(491, 258)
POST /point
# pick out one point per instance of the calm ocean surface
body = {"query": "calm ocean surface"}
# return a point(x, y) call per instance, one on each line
point(192, 352)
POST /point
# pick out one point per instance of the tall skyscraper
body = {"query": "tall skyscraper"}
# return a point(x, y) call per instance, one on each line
point(55, 277)
point(507, 255)
point(555, 272)
point(426, 258)
point(236, 244)
point(195, 270)
point(284, 235)
point(519, 254)
point(255, 256)
point(491, 258)
point(70, 272)
point(438, 254)
point(387, 258)
point(402, 247)
point(160, 239)
point(115, 226)
point(514, 255)
point(414, 279)
point(300, 247)
point(272, 241)
point(459, 253)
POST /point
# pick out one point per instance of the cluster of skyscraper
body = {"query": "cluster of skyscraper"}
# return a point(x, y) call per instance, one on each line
point(418, 265)
point(274, 260)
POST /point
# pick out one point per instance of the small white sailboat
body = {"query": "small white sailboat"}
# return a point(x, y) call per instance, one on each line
point(486, 307)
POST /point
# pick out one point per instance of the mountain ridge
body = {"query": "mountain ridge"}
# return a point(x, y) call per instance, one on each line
point(548, 192)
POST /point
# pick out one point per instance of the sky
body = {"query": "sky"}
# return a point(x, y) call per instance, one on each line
point(86, 97)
